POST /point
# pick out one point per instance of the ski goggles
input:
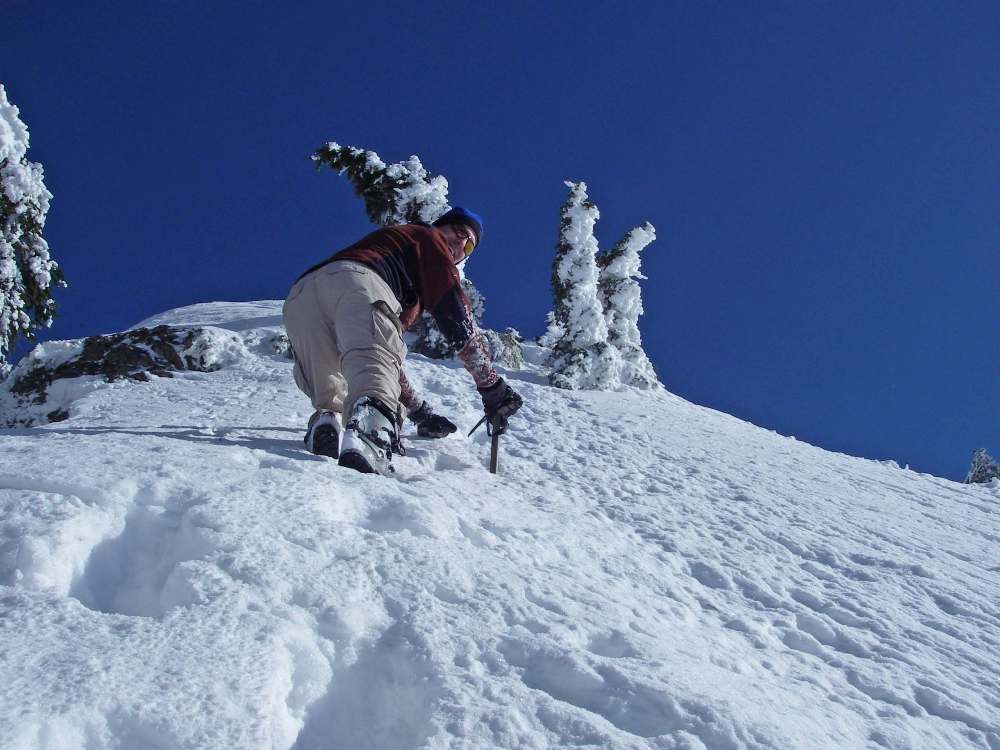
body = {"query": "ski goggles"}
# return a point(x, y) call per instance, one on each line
point(470, 240)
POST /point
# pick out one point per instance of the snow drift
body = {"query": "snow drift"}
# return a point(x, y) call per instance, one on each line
point(177, 572)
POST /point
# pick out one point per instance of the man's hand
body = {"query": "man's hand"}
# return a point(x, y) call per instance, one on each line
point(500, 401)
point(429, 424)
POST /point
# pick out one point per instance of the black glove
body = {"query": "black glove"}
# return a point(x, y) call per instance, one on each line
point(429, 424)
point(500, 401)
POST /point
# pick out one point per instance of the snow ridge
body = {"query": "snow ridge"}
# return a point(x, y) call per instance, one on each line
point(176, 572)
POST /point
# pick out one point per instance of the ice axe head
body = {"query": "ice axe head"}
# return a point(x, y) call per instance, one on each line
point(497, 425)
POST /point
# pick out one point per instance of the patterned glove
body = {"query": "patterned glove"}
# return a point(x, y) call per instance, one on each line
point(429, 424)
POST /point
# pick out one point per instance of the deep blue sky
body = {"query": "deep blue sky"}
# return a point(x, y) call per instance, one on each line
point(823, 177)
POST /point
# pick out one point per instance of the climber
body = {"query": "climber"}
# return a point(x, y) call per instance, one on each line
point(345, 317)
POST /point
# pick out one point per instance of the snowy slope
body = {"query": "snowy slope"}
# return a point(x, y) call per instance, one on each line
point(176, 572)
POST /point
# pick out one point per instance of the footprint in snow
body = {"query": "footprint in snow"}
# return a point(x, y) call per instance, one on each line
point(446, 462)
point(612, 645)
point(710, 576)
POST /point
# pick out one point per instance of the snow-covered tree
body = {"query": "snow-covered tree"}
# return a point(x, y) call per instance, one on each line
point(554, 331)
point(581, 356)
point(505, 347)
point(27, 273)
point(621, 299)
point(476, 300)
point(984, 468)
point(400, 193)
point(396, 193)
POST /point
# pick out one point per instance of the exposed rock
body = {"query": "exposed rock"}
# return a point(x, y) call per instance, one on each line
point(281, 346)
point(132, 355)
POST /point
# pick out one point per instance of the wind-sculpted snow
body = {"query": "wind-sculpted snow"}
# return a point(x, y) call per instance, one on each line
point(176, 572)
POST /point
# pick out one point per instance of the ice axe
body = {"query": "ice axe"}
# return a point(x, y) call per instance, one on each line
point(495, 427)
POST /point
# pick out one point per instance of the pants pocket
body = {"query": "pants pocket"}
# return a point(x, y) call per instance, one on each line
point(299, 376)
point(295, 291)
point(388, 329)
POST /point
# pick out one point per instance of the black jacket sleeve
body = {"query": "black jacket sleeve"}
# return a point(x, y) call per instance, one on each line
point(454, 319)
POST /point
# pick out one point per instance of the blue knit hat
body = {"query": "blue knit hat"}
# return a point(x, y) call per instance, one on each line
point(465, 217)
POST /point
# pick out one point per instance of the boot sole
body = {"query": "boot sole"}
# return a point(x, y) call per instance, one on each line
point(326, 442)
point(356, 461)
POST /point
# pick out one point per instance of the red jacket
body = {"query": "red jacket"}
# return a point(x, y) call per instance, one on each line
point(413, 259)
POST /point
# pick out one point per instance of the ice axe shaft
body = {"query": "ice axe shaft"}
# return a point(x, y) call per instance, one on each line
point(494, 452)
point(494, 428)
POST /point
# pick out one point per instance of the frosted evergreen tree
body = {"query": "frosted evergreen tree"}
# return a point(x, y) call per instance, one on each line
point(476, 300)
point(621, 299)
point(505, 347)
point(397, 193)
point(984, 468)
point(554, 331)
point(581, 356)
point(27, 273)
point(400, 193)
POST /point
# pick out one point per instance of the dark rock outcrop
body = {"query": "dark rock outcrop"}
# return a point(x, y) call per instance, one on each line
point(133, 355)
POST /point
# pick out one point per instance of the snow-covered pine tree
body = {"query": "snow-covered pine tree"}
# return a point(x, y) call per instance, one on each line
point(984, 468)
point(621, 298)
point(400, 193)
point(27, 273)
point(476, 300)
point(581, 356)
point(396, 193)
point(554, 331)
point(505, 347)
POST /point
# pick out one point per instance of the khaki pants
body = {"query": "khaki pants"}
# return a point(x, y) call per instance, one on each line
point(343, 322)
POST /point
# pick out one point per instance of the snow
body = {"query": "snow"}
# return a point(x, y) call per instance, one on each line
point(426, 195)
point(176, 572)
point(13, 132)
point(51, 353)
